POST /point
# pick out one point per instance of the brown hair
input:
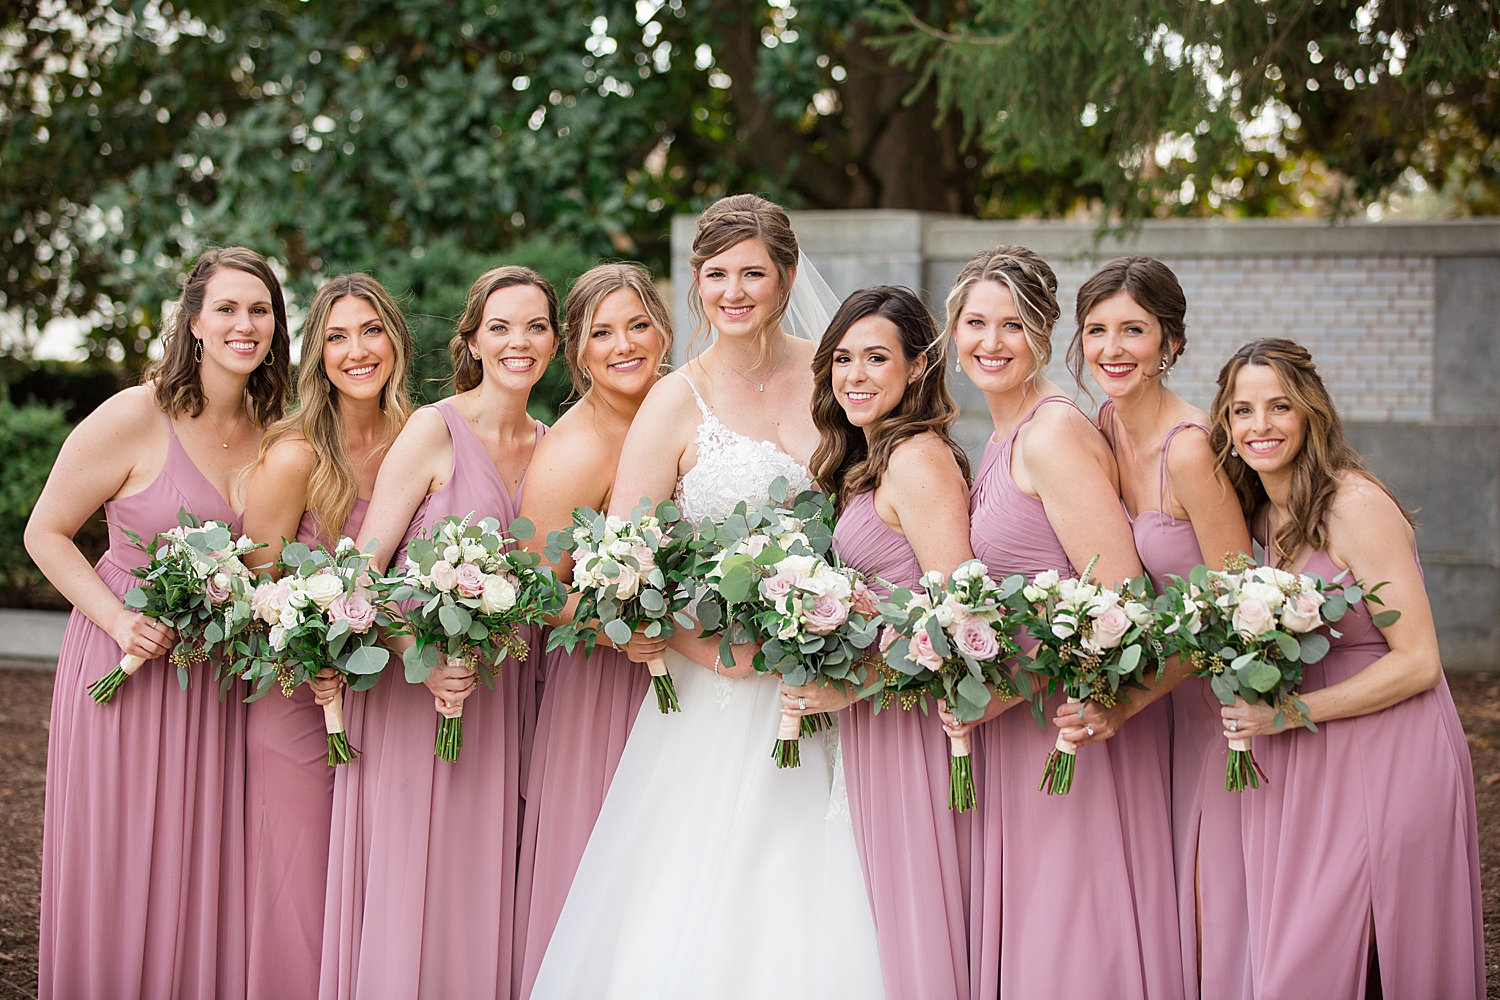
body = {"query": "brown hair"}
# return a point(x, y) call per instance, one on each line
point(1154, 288)
point(468, 371)
point(726, 224)
point(333, 486)
point(1032, 285)
point(845, 464)
point(178, 384)
point(592, 288)
point(1317, 468)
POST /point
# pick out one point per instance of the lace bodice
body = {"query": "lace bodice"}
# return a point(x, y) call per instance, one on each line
point(732, 467)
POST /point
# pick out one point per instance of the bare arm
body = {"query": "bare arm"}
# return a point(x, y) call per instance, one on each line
point(275, 497)
point(419, 463)
point(1210, 502)
point(652, 457)
point(923, 495)
point(572, 468)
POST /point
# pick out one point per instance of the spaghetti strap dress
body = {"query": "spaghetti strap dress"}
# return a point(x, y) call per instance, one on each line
point(288, 809)
point(143, 852)
point(1368, 823)
point(1207, 846)
point(422, 858)
point(912, 847)
point(1074, 888)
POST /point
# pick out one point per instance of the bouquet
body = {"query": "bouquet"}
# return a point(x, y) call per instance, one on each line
point(948, 640)
point(770, 575)
point(195, 583)
point(628, 575)
point(325, 611)
point(1091, 642)
point(1258, 628)
point(473, 592)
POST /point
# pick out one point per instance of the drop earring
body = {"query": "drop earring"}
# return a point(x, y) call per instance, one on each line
point(1163, 366)
point(1233, 453)
point(197, 349)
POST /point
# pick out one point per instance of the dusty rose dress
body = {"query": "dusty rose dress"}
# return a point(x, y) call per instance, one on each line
point(912, 847)
point(143, 853)
point(1206, 840)
point(1368, 818)
point(588, 706)
point(422, 862)
point(288, 806)
point(1067, 890)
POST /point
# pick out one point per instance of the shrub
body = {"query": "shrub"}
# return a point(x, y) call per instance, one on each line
point(30, 436)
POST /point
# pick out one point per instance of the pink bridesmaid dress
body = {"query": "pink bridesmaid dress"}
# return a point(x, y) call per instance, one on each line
point(288, 808)
point(1370, 820)
point(143, 851)
point(422, 859)
point(588, 706)
point(1207, 845)
point(912, 847)
point(1067, 890)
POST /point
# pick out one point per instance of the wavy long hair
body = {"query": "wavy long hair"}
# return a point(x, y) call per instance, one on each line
point(593, 287)
point(1033, 287)
point(468, 371)
point(846, 463)
point(1326, 455)
point(333, 487)
point(178, 384)
point(729, 222)
point(1154, 288)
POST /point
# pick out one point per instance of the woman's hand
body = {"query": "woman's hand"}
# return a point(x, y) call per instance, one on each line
point(640, 649)
point(1243, 721)
point(951, 725)
point(140, 636)
point(810, 699)
point(1089, 723)
point(450, 685)
point(325, 686)
point(744, 662)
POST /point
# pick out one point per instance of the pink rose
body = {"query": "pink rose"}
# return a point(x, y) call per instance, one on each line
point(1109, 627)
point(269, 599)
point(887, 636)
point(864, 600)
point(444, 576)
point(470, 580)
point(645, 557)
point(216, 588)
point(1253, 618)
point(826, 614)
point(976, 638)
point(783, 583)
point(353, 609)
point(1301, 613)
point(922, 651)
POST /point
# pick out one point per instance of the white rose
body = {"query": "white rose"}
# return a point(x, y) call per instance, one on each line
point(628, 583)
point(298, 597)
point(1047, 579)
point(1267, 594)
point(620, 548)
point(289, 618)
point(453, 554)
point(1138, 613)
point(324, 589)
point(1253, 618)
point(474, 552)
point(1033, 593)
point(806, 565)
point(1302, 611)
point(614, 524)
point(278, 638)
point(499, 595)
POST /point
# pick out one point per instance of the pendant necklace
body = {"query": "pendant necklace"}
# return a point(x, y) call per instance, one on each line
point(761, 385)
point(222, 439)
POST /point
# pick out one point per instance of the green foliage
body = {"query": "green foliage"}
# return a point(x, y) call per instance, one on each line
point(30, 437)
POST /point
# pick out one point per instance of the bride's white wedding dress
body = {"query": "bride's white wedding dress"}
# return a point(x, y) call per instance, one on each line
point(711, 872)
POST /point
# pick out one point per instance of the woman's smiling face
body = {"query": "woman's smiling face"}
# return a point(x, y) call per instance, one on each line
point(870, 372)
point(1264, 427)
point(515, 339)
point(991, 340)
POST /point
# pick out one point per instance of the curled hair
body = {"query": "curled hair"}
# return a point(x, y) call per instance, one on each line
point(593, 287)
point(846, 463)
point(1317, 468)
point(176, 377)
point(333, 486)
point(726, 224)
point(468, 371)
point(1154, 288)
point(1032, 285)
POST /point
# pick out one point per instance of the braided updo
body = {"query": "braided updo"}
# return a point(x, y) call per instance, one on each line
point(1032, 285)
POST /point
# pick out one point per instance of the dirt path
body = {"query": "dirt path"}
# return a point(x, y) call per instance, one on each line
point(26, 698)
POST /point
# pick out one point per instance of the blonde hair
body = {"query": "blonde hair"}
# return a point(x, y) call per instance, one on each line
point(1032, 285)
point(333, 487)
point(592, 288)
point(726, 224)
point(468, 371)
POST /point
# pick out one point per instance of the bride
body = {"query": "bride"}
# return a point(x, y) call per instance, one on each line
point(710, 872)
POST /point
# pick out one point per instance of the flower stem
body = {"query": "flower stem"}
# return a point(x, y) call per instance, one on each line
point(105, 687)
point(666, 694)
point(815, 723)
point(1057, 776)
point(1241, 771)
point(961, 797)
point(339, 750)
point(788, 749)
point(450, 738)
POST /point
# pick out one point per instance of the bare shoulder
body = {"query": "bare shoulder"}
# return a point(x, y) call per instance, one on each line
point(128, 411)
point(1190, 457)
point(1058, 425)
point(1361, 509)
point(922, 454)
point(573, 439)
point(424, 427)
point(291, 455)
point(668, 408)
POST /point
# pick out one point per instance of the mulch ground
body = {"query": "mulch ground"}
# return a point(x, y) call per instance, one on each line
point(25, 704)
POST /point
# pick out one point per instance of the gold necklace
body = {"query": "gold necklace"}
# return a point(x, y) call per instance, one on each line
point(222, 439)
point(761, 385)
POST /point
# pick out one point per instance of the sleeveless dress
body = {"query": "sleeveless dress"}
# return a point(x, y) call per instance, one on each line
point(1206, 840)
point(143, 878)
point(711, 872)
point(912, 846)
point(1368, 818)
point(1067, 890)
point(422, 859)
point(288, 809)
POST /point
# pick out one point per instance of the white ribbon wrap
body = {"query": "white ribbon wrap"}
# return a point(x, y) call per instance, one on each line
point(658, 667)
point(130, 663)
point(1243, 746)
point(1066, 746)
point(958, 746)
point(333, 714)
point(791, 727)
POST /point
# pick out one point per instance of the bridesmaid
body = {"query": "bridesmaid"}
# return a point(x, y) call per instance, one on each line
point(1068, 890)
point(422, 864)
point(1361, 847)
point(1130, 334)
point(317, 468)
point(884, 415)
point(615, 337)
point(143, 876)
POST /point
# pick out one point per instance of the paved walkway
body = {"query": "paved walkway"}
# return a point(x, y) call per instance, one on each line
point(31, 639)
